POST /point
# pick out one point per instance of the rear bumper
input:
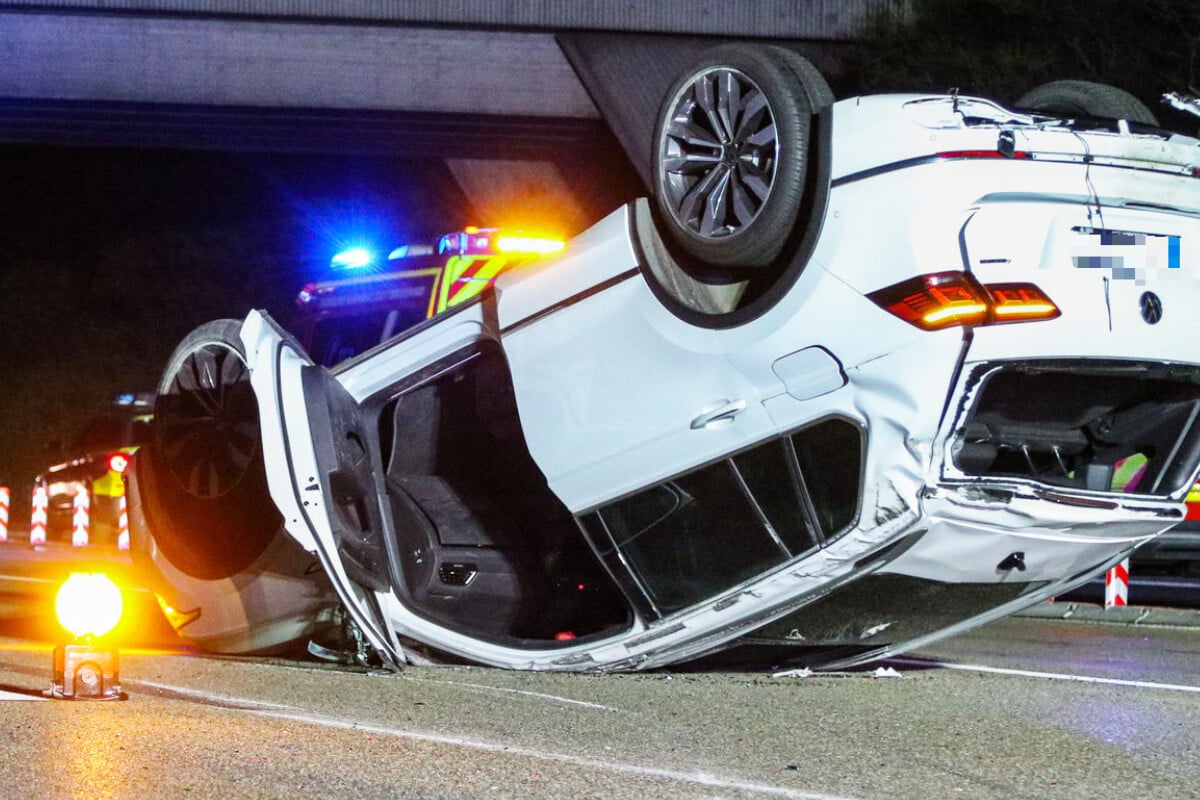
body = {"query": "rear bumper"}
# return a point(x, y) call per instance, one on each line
point(970, 559)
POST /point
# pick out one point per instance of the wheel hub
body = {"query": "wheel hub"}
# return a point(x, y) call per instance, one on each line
point(719, 153)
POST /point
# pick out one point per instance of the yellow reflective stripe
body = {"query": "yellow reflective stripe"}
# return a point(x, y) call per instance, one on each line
point(464, 277)
point(454, 267)
point(434, 305)
point(465, 272)
point(494, 267)
point(482, 272)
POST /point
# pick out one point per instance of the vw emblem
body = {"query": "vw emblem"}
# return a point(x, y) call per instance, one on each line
point(1151, 307)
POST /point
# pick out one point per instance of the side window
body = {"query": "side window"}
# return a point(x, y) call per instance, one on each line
point(698, 535)
point(830, 458)
point(771, 477)
point(692, 537)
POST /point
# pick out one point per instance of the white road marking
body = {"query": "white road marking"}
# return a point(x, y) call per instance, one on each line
point(1058, 676)
point(19, 696)
point(223, 700)
point(639, 770)
point(485, 689)
point(290, 713)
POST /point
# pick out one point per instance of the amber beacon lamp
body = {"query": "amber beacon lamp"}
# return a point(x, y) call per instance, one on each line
point(89, 606)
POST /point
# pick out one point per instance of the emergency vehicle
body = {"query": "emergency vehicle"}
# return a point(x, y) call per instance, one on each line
point(92, 468)
point(367, 303)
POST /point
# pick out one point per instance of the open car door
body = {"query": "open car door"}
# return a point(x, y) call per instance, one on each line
point(305, 492)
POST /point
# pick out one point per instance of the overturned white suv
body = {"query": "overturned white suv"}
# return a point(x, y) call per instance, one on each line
point(861, 375)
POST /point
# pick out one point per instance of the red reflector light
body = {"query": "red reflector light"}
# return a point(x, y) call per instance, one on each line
point(118, 462)
point(946, 299)
point(982, 154)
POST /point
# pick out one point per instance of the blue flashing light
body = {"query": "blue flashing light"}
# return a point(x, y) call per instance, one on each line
point(352, 258)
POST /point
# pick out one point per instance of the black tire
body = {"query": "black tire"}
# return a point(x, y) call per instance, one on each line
point(729, 186)
point(1088, 99)
point(201, 477)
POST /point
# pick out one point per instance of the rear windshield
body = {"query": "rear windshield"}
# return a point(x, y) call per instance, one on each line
point(335, 339)
point(345, 318)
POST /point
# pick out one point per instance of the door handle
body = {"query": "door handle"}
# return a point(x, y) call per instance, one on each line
point(725, 412)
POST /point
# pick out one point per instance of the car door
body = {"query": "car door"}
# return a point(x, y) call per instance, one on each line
point(615, 392)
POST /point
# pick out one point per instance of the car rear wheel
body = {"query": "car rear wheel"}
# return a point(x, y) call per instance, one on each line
point(202, 479)
point(731, 152)
point(1088, 99)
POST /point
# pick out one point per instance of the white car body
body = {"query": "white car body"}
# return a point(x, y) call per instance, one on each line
point(617, 391)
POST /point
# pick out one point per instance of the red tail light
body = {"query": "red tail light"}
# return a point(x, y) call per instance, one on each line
point(118, 462)
point(946, 299)
point(1015, 302)
point(932, 302)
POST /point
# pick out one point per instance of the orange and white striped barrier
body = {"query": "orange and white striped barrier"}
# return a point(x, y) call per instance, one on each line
point(39, 515)
point(5, 495)
point(80, 518)
point(1116, 585)
point(122, 524)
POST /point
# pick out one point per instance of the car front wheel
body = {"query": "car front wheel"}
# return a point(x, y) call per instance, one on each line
point(201, 477)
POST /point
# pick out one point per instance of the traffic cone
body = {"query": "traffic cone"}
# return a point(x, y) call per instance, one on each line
point(4, 498)
point(80, 518)
point(39, 516)
point(1116, 585)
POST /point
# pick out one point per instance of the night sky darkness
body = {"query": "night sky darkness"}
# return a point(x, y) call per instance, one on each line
point(111, 256)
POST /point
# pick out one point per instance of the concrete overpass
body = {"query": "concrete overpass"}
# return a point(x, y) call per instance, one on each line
point(517, 96)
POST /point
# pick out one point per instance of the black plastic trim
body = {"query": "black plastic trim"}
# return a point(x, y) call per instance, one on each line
point(570, 301)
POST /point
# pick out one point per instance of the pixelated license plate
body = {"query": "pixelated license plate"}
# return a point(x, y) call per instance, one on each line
point(1127, 255)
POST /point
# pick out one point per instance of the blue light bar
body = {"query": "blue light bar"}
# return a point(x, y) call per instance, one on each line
point(352, 258)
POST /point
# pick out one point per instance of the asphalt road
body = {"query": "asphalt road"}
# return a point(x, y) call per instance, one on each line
point(1026, 707)
point(1030, 707)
